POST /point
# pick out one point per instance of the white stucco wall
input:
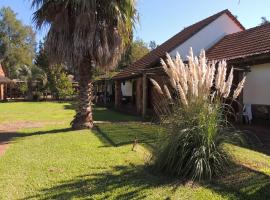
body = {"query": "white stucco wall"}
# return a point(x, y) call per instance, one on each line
point(257, 86)
point(208, 36)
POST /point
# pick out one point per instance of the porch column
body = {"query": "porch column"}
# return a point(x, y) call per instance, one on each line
point(144, 96)
point(139, 95)
point(118, 94)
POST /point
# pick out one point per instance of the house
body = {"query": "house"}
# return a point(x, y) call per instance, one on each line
point(4, 81)
point(223, 37)
point(249, 49)
point(201, 35)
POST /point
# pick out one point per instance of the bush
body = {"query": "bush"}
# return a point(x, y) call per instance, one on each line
point(194, 115)
point(37, 96)
point(64, 87)
point(59, 83)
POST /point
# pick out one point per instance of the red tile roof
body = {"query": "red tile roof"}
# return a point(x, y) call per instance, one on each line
point(242, 44)
point(154, 56)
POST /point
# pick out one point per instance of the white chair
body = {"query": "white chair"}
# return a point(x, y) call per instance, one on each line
point(247, 113)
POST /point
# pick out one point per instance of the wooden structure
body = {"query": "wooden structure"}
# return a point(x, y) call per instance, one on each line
point(104, 90)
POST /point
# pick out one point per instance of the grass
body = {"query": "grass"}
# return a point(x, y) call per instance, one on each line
point(54, 162)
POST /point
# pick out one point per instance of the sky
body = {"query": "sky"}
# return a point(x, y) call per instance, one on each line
point(161, 19)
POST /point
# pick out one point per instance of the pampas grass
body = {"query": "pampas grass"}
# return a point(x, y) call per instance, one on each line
point(199, 78)
point(195, 117)
point(239, 88)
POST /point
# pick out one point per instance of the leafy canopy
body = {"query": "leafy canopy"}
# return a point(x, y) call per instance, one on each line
point(17, 42)
point(137, 50)
point(58, 83)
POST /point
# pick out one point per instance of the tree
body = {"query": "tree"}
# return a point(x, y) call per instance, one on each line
point(58, 82)
point(152, 45)
point(32, 75)
point(17, 42)
point(86, 34)
point(137, 50)
point(64, 86)
point(264, 20)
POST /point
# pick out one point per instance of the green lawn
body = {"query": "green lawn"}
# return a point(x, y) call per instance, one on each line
point(51, 161)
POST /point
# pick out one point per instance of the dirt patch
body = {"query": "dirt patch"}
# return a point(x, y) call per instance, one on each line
point(9, 131)
point(15, 126)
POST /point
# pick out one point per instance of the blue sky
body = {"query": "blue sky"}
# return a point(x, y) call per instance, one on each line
point(161, 19)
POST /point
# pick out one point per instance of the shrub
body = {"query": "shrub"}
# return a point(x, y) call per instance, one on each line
point(59, 83)
point(194, 115)
point(64, 87)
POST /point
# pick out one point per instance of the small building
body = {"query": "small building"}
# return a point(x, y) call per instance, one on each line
point(223, 37)
point(201, 35)
point(4, 81)
point(249, 49)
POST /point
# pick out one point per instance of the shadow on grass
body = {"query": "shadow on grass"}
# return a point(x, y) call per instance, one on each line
point(259, 138)
point(121, 182)
point(118, 134)
point(8, 137)
point(135, 182)
point(105, 114)
point(242, 183)
point(71, 105)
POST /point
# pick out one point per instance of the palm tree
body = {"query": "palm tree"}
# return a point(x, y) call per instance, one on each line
point(86, 34)
point(31, 75)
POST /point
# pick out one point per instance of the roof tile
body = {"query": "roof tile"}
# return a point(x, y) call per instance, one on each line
point(154, 56)
point(246, 43)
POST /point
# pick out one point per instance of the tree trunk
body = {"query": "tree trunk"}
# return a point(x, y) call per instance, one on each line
point(83, 118)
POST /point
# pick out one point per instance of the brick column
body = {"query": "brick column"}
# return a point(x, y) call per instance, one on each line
point(118, 94)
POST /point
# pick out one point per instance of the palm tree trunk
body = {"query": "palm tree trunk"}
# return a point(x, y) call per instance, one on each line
point(83, 118)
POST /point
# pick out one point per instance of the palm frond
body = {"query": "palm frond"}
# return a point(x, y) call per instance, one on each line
point(86, 29)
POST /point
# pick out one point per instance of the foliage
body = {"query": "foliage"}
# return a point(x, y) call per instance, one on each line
point(34, 77)
point(64, 86)
point(152, 45)
point(103, 42)
point(137, 50)
point(264, 21)
point(17, 44)
point(41, 59)
point(195, 117)
point(60, 84)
